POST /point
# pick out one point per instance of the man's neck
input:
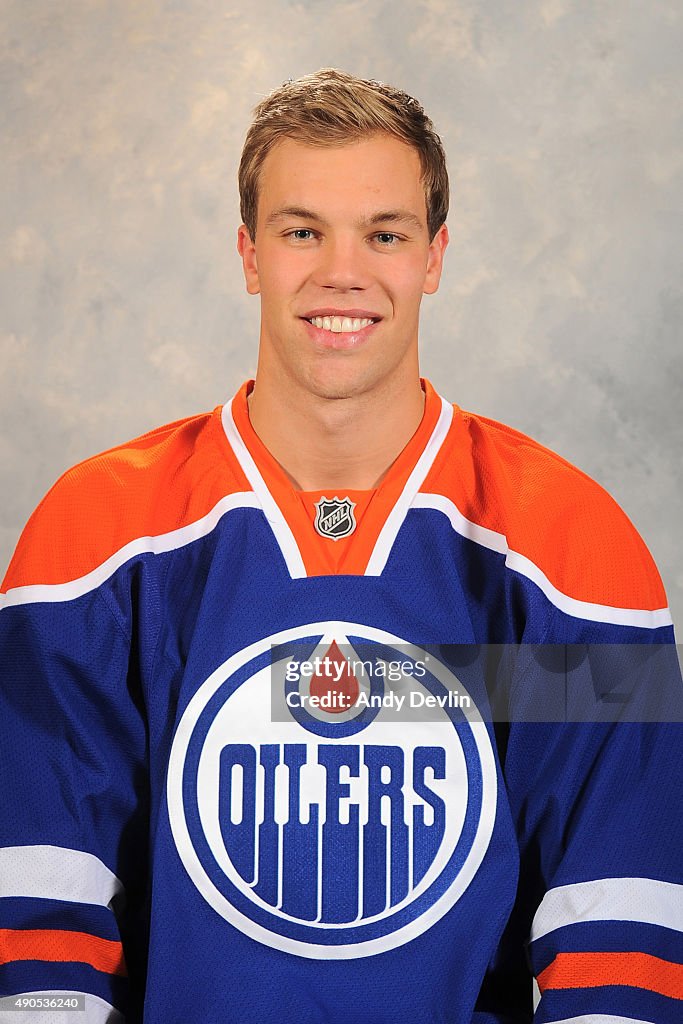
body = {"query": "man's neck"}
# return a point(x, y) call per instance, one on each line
point(332, 444)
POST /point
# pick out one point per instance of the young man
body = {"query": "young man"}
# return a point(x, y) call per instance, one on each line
point(217, 812)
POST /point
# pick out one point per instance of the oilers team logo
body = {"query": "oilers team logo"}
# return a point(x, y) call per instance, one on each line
point(334, 517)
point(331, 828)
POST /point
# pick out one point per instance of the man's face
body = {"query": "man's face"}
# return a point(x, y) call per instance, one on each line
point(341, 236)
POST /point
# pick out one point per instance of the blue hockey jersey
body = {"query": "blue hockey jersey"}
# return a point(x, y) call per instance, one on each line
point(213, 811)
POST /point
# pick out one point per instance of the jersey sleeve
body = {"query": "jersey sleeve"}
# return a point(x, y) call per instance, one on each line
point(592, 756)
point(588, 732)
point(594, 775)
point(597, 787)
point(73, 759)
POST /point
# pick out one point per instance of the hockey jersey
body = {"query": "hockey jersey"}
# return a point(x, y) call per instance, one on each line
point(213, 809)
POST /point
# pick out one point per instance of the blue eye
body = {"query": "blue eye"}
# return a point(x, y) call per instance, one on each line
point(386, 237)
point(299, 232)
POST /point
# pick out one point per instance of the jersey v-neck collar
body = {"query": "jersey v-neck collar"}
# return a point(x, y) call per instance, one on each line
point(366, 549)
point(351, 507)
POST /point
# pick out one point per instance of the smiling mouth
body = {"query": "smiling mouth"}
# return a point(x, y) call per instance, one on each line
point(341, 324)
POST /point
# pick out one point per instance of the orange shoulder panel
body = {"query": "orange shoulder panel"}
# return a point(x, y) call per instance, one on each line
point(156, 483)
point(548, 510)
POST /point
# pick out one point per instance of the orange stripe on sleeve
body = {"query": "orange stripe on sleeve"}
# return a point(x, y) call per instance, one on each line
point(61, 946)
point(591, 970)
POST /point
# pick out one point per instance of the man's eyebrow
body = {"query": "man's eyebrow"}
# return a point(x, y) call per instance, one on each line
point(395, 217)
point(383, 217)
point(293, 211)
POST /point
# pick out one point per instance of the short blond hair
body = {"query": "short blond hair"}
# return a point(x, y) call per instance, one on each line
point(333, 108)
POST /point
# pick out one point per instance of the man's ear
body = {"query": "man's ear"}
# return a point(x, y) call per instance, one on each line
point(437, 248)
point(247, 250)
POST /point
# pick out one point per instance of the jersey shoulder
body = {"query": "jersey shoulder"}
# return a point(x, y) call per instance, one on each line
point(547, 511)
point(161, 481)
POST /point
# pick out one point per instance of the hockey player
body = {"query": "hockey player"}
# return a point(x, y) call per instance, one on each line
point(212, 809)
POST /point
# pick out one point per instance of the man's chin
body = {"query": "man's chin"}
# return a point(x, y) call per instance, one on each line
point(337, 387)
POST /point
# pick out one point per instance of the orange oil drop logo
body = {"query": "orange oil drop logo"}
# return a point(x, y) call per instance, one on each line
point(335, 683)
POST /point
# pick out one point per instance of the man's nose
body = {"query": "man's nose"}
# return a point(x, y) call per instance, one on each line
point(342, 264)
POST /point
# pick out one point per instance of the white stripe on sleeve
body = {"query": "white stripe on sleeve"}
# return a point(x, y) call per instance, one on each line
point(56, 873)
point(641, 900)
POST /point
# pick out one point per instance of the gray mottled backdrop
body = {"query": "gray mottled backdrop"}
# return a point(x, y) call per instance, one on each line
point(122, 298)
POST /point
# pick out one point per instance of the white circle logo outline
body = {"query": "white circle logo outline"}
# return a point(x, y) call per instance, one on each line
point(219, 902)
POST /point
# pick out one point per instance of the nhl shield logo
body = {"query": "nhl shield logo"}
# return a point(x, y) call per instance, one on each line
point(334, 517)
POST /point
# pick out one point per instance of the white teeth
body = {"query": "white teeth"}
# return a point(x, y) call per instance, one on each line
point(340, 325)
